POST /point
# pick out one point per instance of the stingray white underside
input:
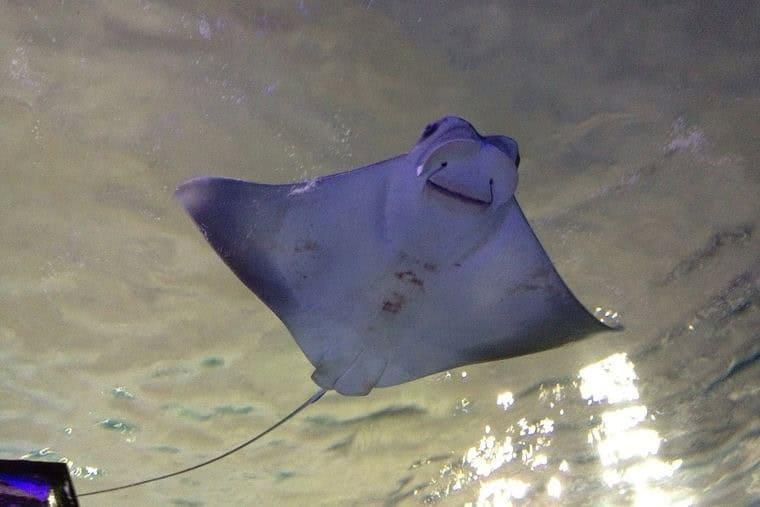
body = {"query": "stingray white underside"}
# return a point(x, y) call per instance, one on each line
point(400, 269)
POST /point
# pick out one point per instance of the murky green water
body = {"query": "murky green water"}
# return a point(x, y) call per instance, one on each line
point(128, 349)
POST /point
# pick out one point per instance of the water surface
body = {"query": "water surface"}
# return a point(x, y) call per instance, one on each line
point(128, 349)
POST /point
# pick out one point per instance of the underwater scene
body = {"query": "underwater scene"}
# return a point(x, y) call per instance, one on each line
point(128, 349)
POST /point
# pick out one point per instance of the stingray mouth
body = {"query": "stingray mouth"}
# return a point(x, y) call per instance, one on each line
point(453, 191)
point(463, 168)
point(464, 181)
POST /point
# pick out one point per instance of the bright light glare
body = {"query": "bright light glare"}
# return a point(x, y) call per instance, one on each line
point(611, 379)
point(499, 492)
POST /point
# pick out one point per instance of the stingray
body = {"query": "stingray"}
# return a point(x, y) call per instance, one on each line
point(397, 270)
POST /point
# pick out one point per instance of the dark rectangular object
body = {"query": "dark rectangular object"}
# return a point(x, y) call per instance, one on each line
point(36, 484)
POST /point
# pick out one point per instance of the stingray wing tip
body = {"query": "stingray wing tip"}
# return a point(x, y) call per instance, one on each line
point(193, 193)
point(187, 191)
point(609, 322)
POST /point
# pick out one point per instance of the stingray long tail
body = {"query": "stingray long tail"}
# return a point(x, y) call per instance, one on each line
point(313, 399)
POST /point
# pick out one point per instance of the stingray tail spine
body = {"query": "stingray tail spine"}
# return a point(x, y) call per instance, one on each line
point(312, 399)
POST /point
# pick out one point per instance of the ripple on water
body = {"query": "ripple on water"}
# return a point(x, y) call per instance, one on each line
point(197, 415)
point(212, 362)
point(117, 425)
point(121, 392)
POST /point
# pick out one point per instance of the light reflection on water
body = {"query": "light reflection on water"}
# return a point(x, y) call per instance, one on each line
point(622, 437)
point(626, 451)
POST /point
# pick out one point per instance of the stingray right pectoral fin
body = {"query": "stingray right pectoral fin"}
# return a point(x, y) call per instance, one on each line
point(241, 220)
point(301, 248)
